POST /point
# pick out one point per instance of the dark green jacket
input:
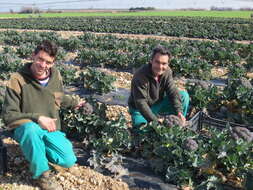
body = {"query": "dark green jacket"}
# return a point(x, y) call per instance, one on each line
point(146, 91)
point(26, 100)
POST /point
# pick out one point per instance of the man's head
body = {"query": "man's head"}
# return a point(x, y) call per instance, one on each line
point(43, 59)
point(160, 60)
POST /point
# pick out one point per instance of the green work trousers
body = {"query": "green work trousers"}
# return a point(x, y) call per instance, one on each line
point(40, 147)
point(162, 107)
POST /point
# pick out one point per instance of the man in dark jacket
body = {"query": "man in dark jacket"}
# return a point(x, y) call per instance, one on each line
point(33, 98)
point(153, 91)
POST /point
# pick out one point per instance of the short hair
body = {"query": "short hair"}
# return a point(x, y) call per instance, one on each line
point(48, 47)
point(161, 50)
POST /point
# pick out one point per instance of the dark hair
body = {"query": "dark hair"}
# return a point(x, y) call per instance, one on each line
point(48, 47)
point(161, 50)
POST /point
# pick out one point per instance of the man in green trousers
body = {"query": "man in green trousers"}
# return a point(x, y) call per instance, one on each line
point(33, 98)
point(153, 91)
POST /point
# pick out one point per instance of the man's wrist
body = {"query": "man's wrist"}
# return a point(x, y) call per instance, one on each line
point(180, 114)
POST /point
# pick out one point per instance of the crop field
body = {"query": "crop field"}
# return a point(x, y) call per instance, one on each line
point(199, 27)
point(99, 55)
point(226, 14)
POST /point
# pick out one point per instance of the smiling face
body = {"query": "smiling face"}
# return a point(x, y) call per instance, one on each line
point(159, 63)
point(42, 62)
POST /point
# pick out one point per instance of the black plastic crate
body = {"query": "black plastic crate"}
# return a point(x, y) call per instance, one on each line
point(201, 119)
point(3, 158)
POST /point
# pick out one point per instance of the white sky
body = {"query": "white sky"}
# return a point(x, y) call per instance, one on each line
point(6, 5)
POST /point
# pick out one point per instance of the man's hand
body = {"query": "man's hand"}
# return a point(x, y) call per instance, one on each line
point(160, 120)
point(47, 123)
point(181, 116)
point(80, 104)
point(87, 108)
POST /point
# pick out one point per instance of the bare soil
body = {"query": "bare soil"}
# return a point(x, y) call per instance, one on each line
point(84, 178)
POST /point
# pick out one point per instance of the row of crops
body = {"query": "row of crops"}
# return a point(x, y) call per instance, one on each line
point(191, 59)
point(215, 159)
point(194, 27)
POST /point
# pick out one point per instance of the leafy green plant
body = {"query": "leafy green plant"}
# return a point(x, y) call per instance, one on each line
point(79, 125)
point(191, 58)
point(227, 158)
point(217, 160)
point(9, 62)
point(203, 95)
point(236, 71)
point(68, 73)
point(192, 68)
point(61, 54)
point(13, 38)
point(165, 146)
point(101, 134)
point(240, 92)
point(194, 27)
point(71, 44)
point(115, 137)
point(97, 81)
point(25, 50)
point(207, 159)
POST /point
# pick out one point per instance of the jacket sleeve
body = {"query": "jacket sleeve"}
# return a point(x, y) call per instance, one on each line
point(69, 101)
point(140, 94)
point(11, 113)
point(173, 93)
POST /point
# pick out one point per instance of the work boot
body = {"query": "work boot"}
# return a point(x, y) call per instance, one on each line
point(74, 170)
point(46, 182)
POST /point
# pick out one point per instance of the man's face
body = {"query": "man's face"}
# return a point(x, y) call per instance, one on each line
point(160, 64)
point(42, 62)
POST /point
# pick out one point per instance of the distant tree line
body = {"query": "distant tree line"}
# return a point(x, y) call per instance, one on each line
point(142, 9)
point(35, 10)
point(213, 8)
point(29, 10)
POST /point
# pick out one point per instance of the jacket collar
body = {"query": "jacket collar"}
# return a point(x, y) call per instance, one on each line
point(26, 72)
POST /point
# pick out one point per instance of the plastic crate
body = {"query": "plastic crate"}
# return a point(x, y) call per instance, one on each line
point(3, 158)
point(199, 120)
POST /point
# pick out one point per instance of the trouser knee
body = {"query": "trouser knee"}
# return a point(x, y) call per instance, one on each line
point(27, 131)
point(68, 161)
point(185, 100)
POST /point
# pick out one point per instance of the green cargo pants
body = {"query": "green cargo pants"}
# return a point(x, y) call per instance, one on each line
point(40, 147)
point(162, 107)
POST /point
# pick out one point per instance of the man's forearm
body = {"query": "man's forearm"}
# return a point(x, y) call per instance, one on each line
point(69, 101)
point(176, 100)
point(145, 110)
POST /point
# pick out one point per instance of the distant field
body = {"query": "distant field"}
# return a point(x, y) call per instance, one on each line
point(227, 14)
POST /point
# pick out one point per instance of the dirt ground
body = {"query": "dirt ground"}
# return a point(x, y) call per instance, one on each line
point(19, 177)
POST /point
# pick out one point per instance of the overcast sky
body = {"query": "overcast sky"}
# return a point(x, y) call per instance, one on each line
point(16, 5)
